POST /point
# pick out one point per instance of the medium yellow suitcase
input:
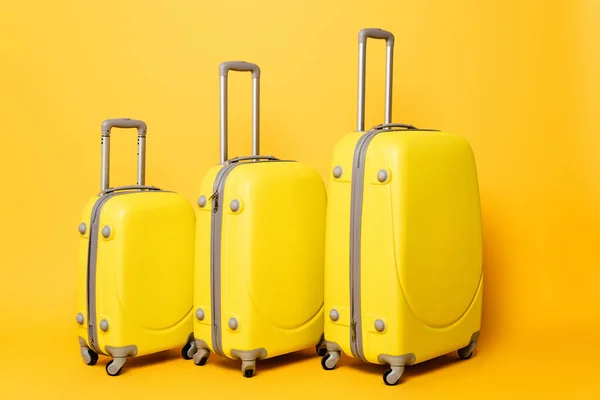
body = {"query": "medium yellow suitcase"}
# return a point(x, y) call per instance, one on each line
point(403, 254)
point(135, 266)
point(260, 227)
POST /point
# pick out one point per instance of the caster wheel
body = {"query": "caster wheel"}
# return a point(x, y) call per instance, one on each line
point(201, 357)
point(202, 361)
point(327, 362)
point(185, 351)
point(390, 378)
point(93, 357)
point(249, 373)
point(112, 373)
point(465, 354)
point(321, 351)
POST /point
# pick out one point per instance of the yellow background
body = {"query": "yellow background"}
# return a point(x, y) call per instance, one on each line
point(518, 79)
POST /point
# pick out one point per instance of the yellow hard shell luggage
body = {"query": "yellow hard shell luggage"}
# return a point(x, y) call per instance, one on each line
point(135, 266)
point(260, 227)
point(403, 254)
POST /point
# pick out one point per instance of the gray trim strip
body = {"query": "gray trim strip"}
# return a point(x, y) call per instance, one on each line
point(215, 248)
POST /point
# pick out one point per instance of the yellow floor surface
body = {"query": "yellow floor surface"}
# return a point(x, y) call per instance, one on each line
point(33, 368)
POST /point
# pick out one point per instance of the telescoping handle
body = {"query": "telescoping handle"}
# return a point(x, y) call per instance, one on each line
point(363, 35)
point(141, 153)
point(242, 66)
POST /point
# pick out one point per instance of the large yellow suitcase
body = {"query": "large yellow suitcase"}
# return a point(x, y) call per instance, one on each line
point(259, 252)
point(135, 266)
point(403, 258)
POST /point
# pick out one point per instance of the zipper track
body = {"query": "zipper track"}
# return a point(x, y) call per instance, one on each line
point(215, 250)
point(356, 206)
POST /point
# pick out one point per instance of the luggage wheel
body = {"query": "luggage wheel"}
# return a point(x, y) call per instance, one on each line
point(115, 366)
point(188, 351)
point(248, 368)
point(392, 376)
point(90, 357)
point(321, 347)
point(466, 352)
point(201, 356)
point(330, 360)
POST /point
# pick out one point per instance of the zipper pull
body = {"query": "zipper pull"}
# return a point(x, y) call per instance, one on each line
point(353, 331)
point(215, 198)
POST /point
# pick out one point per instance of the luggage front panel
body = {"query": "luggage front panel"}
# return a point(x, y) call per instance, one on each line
point(337, 244)
point(272, 257)
point(143, 271)
point(202, 283)
point(420, 245)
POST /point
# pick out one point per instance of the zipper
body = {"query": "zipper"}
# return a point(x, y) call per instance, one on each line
point(215, 250)
point(356, 199)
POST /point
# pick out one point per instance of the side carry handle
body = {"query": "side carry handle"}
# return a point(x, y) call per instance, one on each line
point(107, 126)
point(242, 66)
point(363, 35)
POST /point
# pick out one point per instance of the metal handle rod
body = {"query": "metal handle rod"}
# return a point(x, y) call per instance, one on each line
point(107, 126)
point(362, 70)
point(243, 66)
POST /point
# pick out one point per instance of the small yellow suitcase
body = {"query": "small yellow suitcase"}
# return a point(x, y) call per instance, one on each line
point(260, 227)
point(135, 266)
point(403, 253)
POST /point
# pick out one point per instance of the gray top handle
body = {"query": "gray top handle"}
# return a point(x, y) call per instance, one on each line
point(388, 126)
point(129, 187)
point(242, 66)
point(141, 153)
point(253, 158)
point(363, 35)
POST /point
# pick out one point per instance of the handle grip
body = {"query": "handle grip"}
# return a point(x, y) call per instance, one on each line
point(125, 123)
point(375, 33)
point(130, 187)
point(242, 66)
point(248, 158)
point(363, 35)
point(386, 126)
